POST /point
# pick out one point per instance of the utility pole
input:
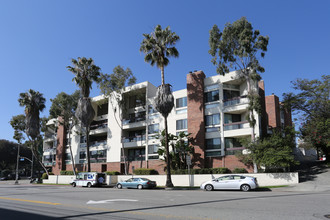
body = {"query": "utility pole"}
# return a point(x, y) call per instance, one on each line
point(17, 163)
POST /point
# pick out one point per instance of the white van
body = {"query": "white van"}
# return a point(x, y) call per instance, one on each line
point(89, 179)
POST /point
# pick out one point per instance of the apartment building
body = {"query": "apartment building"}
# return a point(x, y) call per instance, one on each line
point(213, 110)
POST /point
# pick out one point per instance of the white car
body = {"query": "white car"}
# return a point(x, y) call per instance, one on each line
point(230, 182)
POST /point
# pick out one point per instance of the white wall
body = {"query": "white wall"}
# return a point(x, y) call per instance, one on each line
point(264, 179)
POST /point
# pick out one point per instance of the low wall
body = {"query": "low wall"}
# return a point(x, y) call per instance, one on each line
point(264, 179)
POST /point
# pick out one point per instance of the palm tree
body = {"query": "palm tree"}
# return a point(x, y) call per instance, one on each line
point(86, 72)
point(158, 46)
point(34, 103)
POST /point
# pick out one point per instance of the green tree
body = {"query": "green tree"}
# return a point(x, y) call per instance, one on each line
point(34, 103)
point(238, 47)
point(158, 46)
point(86, 72)
point(274, 152)
point(311, 105)
point(63, 108)
point(113, 87)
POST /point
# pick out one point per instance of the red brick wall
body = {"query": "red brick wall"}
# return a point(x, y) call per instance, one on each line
point(230, 161)
point(60, 163)
point(273, 111)
point(196, 125)
point(264, 118)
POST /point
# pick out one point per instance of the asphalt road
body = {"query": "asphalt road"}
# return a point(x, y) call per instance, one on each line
point(26, 201)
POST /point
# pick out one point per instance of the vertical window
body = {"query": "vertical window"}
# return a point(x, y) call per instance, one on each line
point(154, 128)
point(181, 102)
point(212, 119)
point(181, 124)
point(232, 118)
point(153, 149)
point(213, 143)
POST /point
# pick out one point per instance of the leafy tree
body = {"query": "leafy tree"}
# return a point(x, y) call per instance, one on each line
point(86, 72)
point(113, 87)
point(274, 152)
point(64, 106)
point(158, 46)
point(180, 149)
point(238, 47)
point(34, 103)
point(311, 104)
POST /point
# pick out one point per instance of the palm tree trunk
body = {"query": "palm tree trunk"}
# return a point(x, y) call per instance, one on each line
point(162, 74)
point(87, 149)
point(168, 163)
point(72, 160)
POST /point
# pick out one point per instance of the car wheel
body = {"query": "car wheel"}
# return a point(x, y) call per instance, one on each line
point(208, 187)
point(140, 187)
point(74, 184)
point(119, 186)
point(89, 185)
point(245, 187)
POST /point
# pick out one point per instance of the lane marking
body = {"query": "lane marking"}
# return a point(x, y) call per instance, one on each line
point(111, 200)
point(32, 201)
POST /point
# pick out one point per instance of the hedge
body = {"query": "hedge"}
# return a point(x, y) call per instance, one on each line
point(221, 170)
point(240, 170)
point(45, 176)
point(67, 172)
point(112, 173)
point(144, 171)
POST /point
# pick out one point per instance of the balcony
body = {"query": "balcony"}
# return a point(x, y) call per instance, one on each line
point(99, 128)
point(236, 105)
point(237, 129)
point(236, 125)
point(98, 143)
point(49, 137)
point(136, 141)
point(50, 151)
point(49, 163)
point(235, 101)
point(134, 122)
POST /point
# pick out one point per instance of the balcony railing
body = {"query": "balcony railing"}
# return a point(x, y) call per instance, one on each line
point(133, 120)
point(235, 101)
point(97, 143)
point(99, 126)
point(235, 125)
point(133, 158)
point(51, 150)
point(134, 139)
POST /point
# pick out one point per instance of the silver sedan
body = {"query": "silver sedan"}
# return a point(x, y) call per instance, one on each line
point(231, 182)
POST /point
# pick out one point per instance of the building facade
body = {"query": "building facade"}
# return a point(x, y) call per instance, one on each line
point(213, 110)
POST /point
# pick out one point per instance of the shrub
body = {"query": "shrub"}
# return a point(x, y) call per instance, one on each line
point(45, 176)
point(240, 170)
point(144, 171)
point(112, 173)
point(220, 170)
point(66, 172)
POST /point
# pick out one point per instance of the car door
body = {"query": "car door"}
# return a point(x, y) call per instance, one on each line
point(221, 182)
point(234, 182)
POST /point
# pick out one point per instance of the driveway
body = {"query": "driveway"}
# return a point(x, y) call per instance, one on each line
point(313, 176)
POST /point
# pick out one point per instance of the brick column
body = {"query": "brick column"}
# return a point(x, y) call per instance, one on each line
point(273, 111)
point(60, 149)
point(196, 124)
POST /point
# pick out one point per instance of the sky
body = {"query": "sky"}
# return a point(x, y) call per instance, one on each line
point(38, 39)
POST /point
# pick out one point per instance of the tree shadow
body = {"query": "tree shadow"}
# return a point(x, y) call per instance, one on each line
point(309, 171)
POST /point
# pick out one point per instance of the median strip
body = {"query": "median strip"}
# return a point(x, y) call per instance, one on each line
point(32, 201)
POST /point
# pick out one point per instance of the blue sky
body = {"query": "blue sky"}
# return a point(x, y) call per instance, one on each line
point(39, 38)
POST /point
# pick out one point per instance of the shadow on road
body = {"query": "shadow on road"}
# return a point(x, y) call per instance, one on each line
point(308, 171)
point(7, 214)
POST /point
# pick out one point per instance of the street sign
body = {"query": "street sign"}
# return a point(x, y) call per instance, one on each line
point(21, 159)
point(188, 160)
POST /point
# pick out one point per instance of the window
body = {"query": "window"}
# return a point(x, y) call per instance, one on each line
point(181, 102)
point(232, 118)
point(181, 124)
point(82, 139)
point(151, 109)
point(154, 128)
point(213, 143)
point(213, 147)
point(102, 109)
point(212, 119)
point(212, 96)
point(137, 100)
point(82, 155)
point(230, 94)
point(231, 144)
point(181, 111)
point(211, 87)
point(136, 154)
point(98, 156)
point(153, 149)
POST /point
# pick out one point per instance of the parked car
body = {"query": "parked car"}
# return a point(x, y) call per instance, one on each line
point(231, 182)
point(89, 179)
point(138, 183)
